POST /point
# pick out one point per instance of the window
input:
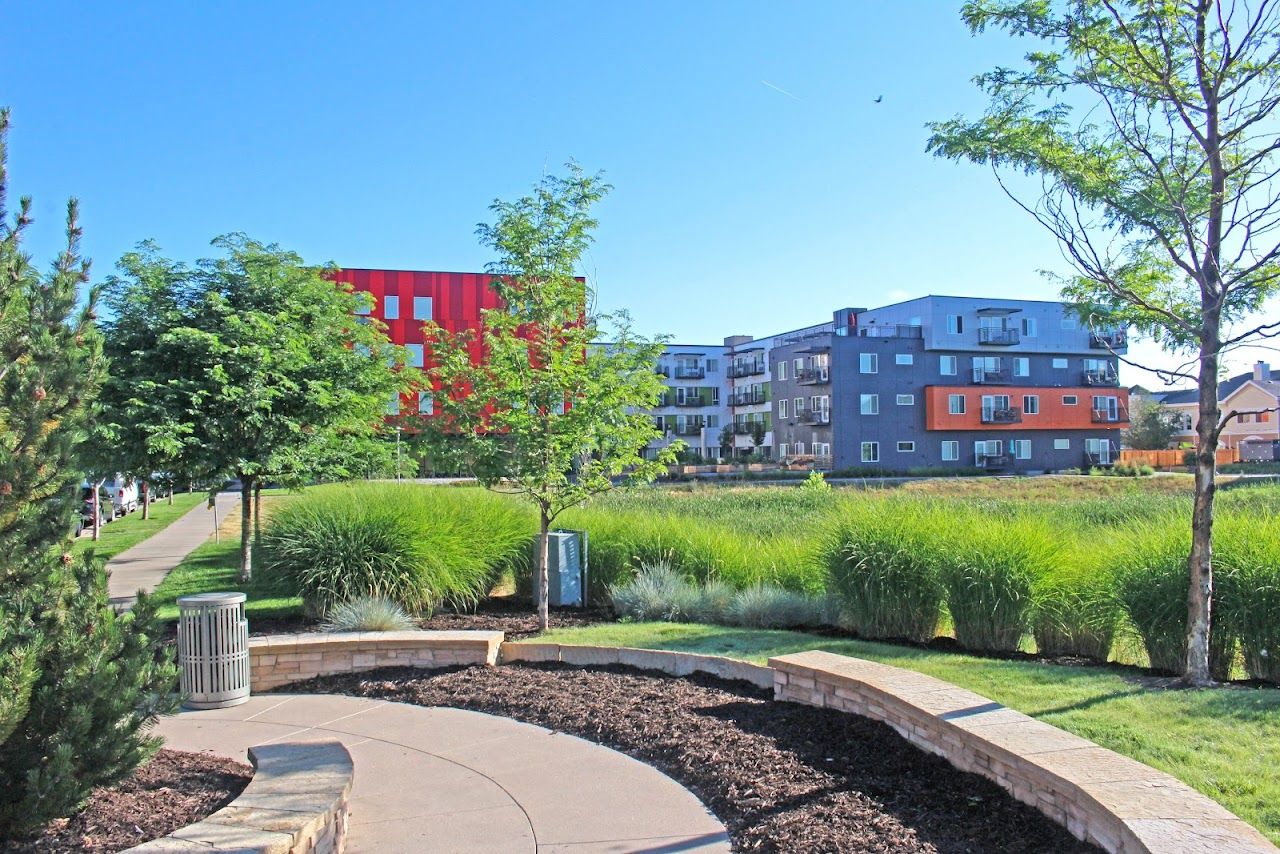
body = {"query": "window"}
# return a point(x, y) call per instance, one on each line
point(870, 404)
point(868, 363)
point(713, 420)
point(391, 308)
point(906, 400)
point(798, 364)
point(426, 403)
point(799, 449)
point(1028, 327)
point(1031, 404)
point(415, 355)
point(422, 308)
point(955, 404)
point(1059, 363)
point(782, 369)
point(782, 408)
point(797, 406)
point(1068, 321)
point(660, 423)
point(906, 447)
point(871, 452)
point(1021, 366)
point(393, 405)
point(1022, 449)
point(364, 302)
point(713, 366)
point(1245, 417)
point(947, 366)
point(955, 324)
point(1062, 444)
point(1070, 400)
point(904, 359)
point(822, 449)
point(783, 448)
point(950, 450)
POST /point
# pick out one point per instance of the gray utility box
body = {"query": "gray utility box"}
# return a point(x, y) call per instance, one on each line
point(564, 568)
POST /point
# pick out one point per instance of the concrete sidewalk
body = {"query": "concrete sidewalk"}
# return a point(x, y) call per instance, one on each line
point(145, 565)
point(449, 780)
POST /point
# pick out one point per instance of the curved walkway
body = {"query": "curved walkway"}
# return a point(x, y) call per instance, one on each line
point(449, 780)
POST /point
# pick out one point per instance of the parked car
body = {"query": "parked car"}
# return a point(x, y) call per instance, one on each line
point(123, 494)
point(86, 508)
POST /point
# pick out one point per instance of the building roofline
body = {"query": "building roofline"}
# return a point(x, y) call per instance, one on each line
point(975, 299)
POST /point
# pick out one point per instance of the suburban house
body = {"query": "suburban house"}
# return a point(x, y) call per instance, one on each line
point(1255, 395)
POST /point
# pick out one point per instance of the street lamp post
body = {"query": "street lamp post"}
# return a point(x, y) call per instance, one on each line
point(397, 455)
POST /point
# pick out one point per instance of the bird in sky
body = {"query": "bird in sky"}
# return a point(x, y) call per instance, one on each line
point(879, 98)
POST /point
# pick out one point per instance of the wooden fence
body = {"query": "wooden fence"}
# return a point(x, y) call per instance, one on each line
point(1172, 459)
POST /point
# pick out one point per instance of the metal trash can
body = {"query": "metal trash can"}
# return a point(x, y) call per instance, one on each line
point(213, 650)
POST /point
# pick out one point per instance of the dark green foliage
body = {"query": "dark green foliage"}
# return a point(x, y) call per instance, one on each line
point(77, 683)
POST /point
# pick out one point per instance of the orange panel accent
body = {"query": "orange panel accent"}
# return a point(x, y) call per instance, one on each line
point(1054, 414)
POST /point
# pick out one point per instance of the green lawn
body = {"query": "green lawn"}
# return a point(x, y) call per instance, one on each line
point(215, 567)
point(1223, 742)
point(125, 533)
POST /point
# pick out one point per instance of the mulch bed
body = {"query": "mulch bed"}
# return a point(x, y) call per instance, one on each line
point(781, 776)
point(171, 791)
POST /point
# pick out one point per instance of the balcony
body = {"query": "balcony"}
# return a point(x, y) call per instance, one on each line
point(690, 428)
point(662, 371)
point(815, 417)
point(747, 398)
point(743, 428)
point(690, 372)
point(1116, 339)
point(998, 337)
point(820, 375)
point(1104, 378)
point(999, 376)
point(1101, 458)
point(993, 461)
point(891, 330)
point(693, 400)
point(739, 370)
point(1003, 415)
point(1119, 415)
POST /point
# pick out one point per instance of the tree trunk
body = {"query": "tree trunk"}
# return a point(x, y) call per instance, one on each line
point(543, 583)
point(145, 489)
point(246, 529)
point(1200, 561)
point(97, 514)
point(173, 487)
point(257, 515)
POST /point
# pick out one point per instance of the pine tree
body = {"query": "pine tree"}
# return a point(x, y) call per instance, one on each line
point(78, 684)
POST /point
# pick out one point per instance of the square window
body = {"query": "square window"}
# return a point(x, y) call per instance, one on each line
point(955, 324)
point(393, 405)
point(871, 452)
point(904, 359)
point(906, 447)
point(713, 366)
point(868, 363)
point(1059, 363)
point(947, 366)
point(906, 400)
point(1062, 444)
point(415, 355)
point(870, 404)
point(955, 404)
point(1022, 449)
point(426, 403)
point(1068, 321)
point(1028, 327)
point(422, 308)
point(950, 450)
point(365, 302)
point(391, 308)
point(1021, 366)
point(1031, 404)
point(1070, 400)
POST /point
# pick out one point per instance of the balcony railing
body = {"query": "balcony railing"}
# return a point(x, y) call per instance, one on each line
point(891, 330)
point(1110, 416)
point(747, 398)
point(746, 369)
point(1113, 340)
point(690, 428)
point(689, 372)
point(743, 428)
point(693, 400)
point(998, 337)
point(993, 461)
point(1104, 457)
point(813, 376)
point(1003, 415)
point(1101, 378)
point(984, 376)
point(814, 416)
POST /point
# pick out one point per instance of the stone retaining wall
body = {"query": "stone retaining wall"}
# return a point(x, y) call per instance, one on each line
point(1117, 803)
point(277, 660)
point(296, 803)
point(674, 663)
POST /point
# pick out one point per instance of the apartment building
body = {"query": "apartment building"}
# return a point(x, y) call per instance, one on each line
point(695, 406)
point(1255, 396)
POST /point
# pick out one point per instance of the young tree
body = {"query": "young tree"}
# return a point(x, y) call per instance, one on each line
point(1151, 428)
point(259, 362)
point(78, 684)
point(1151, 128)
point(532, 407)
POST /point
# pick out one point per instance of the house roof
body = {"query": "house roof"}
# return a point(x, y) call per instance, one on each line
point(1226, 388)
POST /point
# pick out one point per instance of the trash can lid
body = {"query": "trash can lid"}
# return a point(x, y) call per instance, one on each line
point(204, 599)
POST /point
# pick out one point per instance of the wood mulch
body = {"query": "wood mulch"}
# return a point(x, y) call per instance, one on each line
point(781, 776)
point(171, 791)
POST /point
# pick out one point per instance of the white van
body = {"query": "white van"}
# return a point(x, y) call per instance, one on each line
point(123, 494)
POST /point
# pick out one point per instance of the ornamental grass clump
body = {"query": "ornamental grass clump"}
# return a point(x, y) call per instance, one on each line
point(882, 559)
point(1247, 556)
point(1076, 607)
point(657, 592)
point(988, 567)
point(768, 606)
point(420, 547)
point(367, 614)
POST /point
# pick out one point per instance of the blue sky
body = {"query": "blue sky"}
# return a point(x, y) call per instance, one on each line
point(375, 135)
